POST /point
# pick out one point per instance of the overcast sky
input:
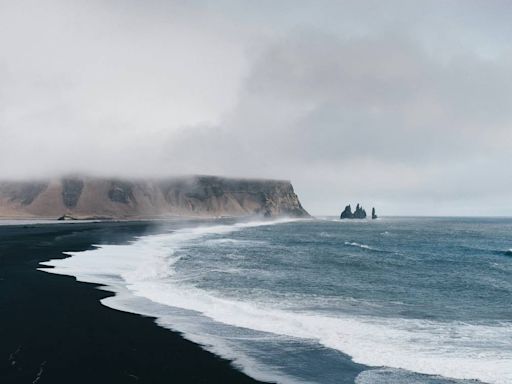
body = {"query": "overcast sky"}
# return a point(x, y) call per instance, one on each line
point(405, 105)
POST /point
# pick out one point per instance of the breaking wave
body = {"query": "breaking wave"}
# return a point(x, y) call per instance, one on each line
point(146, 269)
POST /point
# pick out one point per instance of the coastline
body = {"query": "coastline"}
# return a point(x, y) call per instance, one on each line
point(55, 330)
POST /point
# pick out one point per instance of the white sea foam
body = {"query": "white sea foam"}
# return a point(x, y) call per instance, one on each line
point(145, 269)
point(450, 349)
point(395, 376)
point(353, 244)
point(235, 242)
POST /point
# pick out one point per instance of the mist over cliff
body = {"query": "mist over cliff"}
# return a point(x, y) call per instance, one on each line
point(121, 198)
point(402, 104)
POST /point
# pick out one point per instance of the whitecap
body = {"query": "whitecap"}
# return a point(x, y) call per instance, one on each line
point(354, 244)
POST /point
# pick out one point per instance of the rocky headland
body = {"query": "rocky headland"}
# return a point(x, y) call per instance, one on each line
point(83, 197)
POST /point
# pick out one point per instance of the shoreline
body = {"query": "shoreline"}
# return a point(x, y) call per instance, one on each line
point(55, 329)
point(16, 221)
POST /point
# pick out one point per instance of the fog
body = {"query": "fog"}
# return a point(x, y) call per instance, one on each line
point(397, 104)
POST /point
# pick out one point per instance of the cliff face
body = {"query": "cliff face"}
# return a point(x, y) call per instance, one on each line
point(88, 197)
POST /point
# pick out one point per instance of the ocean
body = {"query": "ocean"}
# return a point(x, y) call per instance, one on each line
point(393, 300)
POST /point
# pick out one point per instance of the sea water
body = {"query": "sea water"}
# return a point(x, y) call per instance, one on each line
point(393, 300)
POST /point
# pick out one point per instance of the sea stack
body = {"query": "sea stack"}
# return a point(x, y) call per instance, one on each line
point(359, 213)
point(374, 215)
point(347, 213)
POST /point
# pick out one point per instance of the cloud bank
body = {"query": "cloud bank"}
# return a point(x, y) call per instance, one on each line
point(407, 108)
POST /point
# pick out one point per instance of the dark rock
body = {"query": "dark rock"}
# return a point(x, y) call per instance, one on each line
point(347, 213)
point(22, 192)
point(359, 213)
point(66, 217)
point(121, 192)
point(374, 215)
point(71, 191)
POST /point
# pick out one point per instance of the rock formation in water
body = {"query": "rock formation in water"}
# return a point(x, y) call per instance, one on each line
point(347, 213)
point(374, 215)
point(82, 197)
point(359, 213)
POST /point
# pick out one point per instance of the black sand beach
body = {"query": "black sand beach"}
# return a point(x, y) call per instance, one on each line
point(53, 329)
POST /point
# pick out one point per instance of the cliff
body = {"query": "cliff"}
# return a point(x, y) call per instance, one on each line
point(90, 197)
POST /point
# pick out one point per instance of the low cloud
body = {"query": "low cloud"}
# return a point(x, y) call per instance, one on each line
point(403, 107)
point(374, 117)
